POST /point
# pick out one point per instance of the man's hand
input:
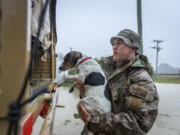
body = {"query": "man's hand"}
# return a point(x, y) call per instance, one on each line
point(84, 114)
point(53, 86)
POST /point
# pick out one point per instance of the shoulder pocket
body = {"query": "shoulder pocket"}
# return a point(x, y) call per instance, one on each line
point(135, 103)
point(138, 91)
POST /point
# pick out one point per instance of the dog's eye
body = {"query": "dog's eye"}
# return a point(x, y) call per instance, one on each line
point(65, 59)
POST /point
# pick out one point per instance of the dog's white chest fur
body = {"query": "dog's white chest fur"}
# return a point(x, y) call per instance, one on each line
point(95, 101)
point(93, 80)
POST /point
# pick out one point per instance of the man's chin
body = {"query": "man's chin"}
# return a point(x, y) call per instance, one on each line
point(115, 58)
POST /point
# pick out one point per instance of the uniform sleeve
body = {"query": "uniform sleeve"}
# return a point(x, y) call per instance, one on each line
point(107, 65)
point(141, 105)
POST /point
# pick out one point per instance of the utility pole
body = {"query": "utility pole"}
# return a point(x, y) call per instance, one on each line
point(157, 48)
point(139, 23)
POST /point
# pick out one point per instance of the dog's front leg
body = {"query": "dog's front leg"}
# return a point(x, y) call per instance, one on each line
point(77, 77)
point(79, 80)
point(74, 80)
point(72, 88)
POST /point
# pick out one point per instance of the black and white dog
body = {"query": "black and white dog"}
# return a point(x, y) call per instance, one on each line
point(91, 81)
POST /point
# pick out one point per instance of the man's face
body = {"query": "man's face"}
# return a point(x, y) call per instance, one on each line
point(121, 51)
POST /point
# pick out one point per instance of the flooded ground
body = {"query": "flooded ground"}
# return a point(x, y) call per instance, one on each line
point(167, 123)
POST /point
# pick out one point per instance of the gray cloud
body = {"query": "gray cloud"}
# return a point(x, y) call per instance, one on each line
point(87, 25)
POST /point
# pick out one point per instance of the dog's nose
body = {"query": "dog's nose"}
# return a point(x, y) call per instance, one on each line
point(60, 68)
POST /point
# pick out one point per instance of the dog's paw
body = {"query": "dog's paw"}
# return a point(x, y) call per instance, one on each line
point(71, 90)
point(76, 116)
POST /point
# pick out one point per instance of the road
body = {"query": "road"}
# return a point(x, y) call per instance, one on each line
point(167, 123)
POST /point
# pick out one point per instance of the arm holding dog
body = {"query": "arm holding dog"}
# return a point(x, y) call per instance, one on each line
point(141, 106)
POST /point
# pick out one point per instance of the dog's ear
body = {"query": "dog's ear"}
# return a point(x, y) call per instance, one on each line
point(75, 56)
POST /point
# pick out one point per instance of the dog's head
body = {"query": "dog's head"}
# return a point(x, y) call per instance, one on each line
point(70, 60)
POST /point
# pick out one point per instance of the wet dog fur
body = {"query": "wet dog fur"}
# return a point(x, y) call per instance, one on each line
point(91, 81)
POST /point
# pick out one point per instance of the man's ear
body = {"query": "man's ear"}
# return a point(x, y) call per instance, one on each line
point(134, 50)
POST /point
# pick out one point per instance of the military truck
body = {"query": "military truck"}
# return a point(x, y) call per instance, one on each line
point(27, 65)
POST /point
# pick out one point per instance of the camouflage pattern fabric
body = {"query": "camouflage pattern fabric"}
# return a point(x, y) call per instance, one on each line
point(130, 38)
point(134, 100)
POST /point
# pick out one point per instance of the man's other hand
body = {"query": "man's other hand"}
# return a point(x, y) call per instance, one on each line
point(53, 86)
point(84, 114)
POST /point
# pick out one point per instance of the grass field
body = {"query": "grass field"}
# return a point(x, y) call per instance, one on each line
point(160, 79)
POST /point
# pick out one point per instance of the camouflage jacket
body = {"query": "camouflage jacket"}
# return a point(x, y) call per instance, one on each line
point(134, 100)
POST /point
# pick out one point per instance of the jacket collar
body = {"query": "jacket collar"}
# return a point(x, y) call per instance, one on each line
point(135, 62)
point(120, 69)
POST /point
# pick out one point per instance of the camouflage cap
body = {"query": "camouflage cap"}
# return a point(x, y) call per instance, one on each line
point(130, 38)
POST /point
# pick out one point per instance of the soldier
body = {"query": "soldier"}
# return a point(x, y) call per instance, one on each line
point(132, 92)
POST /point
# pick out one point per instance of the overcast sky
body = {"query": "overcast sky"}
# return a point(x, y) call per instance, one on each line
point(88, 25)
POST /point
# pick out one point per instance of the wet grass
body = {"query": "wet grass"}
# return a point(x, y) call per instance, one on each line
point(175, 80)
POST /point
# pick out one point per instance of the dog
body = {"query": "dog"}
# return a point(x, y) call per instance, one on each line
point(91, 81)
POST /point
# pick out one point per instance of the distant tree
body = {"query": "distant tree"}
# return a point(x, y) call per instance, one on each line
point(148, 65)
point(97, 59)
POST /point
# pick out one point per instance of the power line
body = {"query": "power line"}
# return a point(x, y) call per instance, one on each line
point(157, 48)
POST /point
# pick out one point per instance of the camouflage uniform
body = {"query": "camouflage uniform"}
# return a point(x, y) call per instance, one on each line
point(133, 96)
point(134, 100)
